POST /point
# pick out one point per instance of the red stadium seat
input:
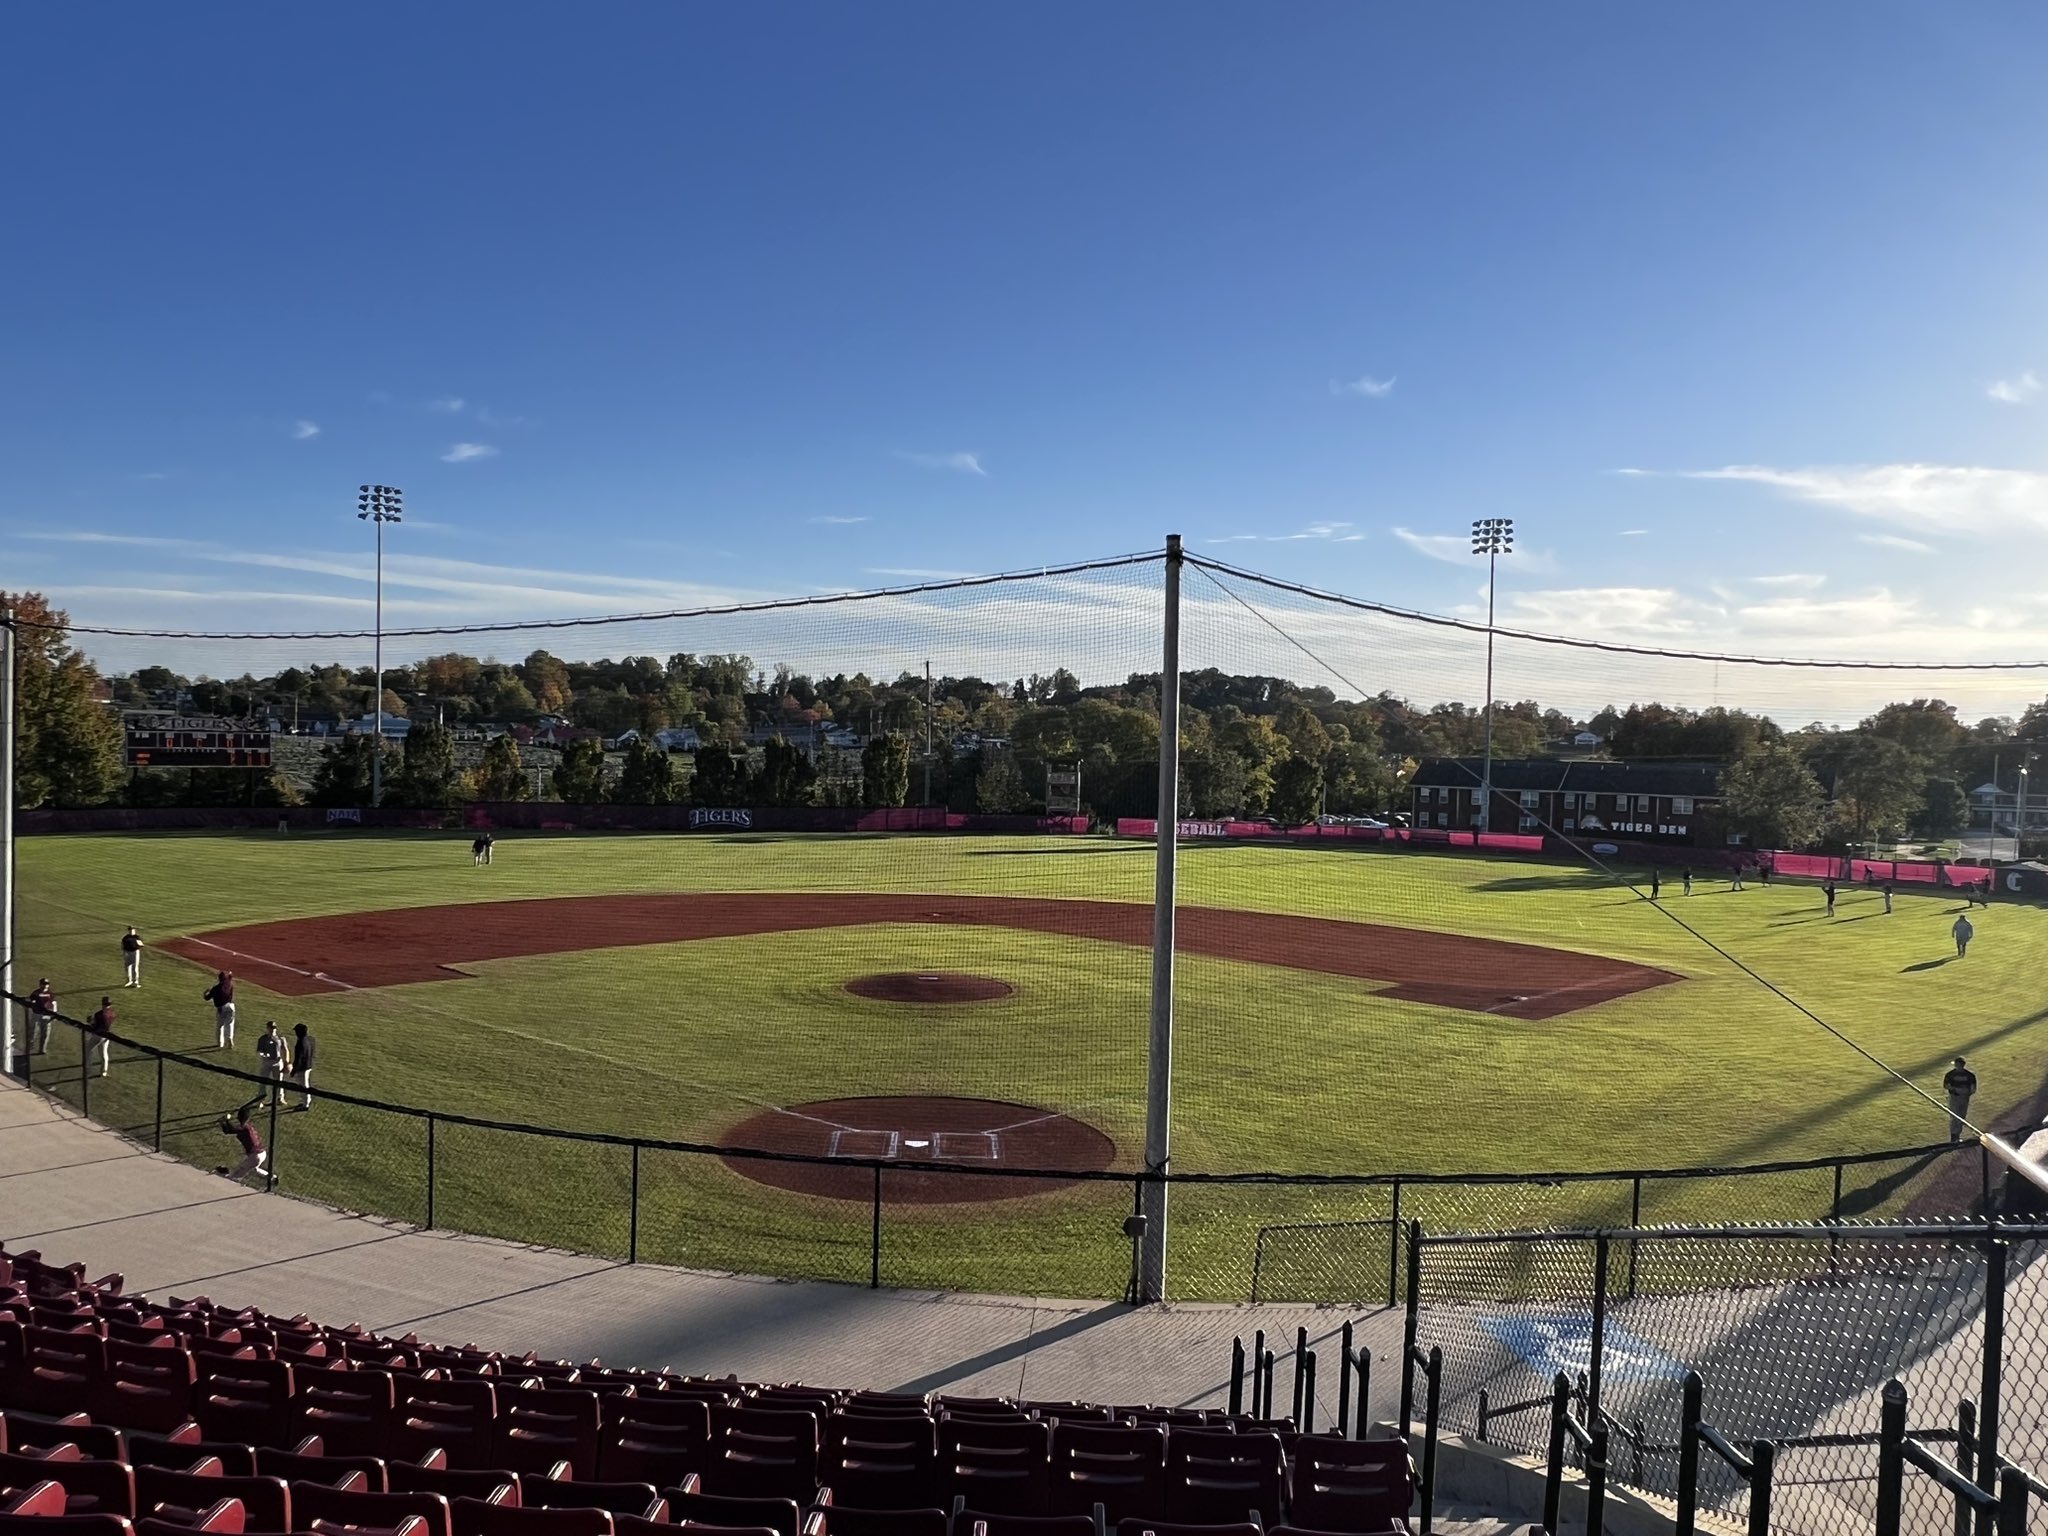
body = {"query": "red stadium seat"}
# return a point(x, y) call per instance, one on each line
point(766, 1453)
point(1221, 1475)
point(886, 1461)
point(781, 1516)
point(358, 1474)
point(266, 1502)
point(1175, 1528)
point(1350, 1485)
point(980, 1523)
point(636, 1499)
point(474, 1517)
point(44, 1498)
point(1122, 1468)
point(493, 1487)
point(1001, 1468)
point(841, 1520)
point(311, 1502)
point(90, 1487)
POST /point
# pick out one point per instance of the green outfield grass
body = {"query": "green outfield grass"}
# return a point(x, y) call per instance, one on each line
point(1276, 1069)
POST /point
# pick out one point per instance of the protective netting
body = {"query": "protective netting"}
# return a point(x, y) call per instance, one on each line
point(1793, 1337)
point(850, 913)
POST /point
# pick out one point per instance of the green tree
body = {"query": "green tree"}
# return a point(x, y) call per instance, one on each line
point(1773, 798)
point(426, 773)
point(787, 776)
point(1927, 728)
point(343, 777)
point(1879, 786)
point(1297, 791)
point(580, 778)
point(999, 787)
point(1213, 783)
point(648, 777)
point(721, 778)
point(68, 746)
point(1944, 809)
point(885, 770)
point(501, 775)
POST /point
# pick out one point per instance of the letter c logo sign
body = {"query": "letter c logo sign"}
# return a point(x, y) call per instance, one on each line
point(2012, 880)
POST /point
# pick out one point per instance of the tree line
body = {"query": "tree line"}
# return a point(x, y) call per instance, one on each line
point(1251, 745)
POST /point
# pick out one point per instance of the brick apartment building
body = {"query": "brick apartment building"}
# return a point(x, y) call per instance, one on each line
point(1677, 803)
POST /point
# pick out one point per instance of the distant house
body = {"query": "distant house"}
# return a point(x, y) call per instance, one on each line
point(1641, 802)
point(396, 727)
point(1588, 739)
point(2000, 809)
point(681, 738)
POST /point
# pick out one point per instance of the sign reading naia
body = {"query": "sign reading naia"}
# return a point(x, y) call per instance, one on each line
point(720, 816)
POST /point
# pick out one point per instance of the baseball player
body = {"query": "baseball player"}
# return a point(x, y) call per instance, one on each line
point(42, 1007)
point(222, 995)
point(131, 957)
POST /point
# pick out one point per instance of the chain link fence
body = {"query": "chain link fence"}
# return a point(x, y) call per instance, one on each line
point(874, 1220)
point(1793, 1332)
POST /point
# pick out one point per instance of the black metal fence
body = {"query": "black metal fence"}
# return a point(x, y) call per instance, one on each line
point(1236, 1236)
point(1780, 1350)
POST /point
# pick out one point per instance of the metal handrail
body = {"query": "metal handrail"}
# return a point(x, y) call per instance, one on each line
point(1757, 1467)
point(1592, 1444)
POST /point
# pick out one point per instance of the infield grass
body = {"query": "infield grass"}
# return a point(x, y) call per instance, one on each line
point(1276, 1069)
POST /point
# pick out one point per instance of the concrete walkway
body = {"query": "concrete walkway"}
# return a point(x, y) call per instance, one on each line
point(82, 1193)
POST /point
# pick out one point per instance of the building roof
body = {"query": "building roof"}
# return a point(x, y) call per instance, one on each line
point(1700, 780)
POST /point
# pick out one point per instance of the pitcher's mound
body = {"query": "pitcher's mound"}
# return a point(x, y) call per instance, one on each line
point(1024, 1149)
point(929, 987)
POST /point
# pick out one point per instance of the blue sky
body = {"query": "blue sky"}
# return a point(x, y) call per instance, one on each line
point(1738, 310)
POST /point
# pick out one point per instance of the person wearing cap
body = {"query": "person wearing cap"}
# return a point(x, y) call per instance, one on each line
point(1960, 1083)
point(42, 1007)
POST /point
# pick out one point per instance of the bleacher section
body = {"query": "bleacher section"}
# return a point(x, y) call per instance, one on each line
point(123, 1416)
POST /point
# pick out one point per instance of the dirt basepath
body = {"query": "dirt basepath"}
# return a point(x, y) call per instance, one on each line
point(308, 955)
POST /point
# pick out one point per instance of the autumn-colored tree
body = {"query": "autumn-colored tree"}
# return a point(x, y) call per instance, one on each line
point(68, 745)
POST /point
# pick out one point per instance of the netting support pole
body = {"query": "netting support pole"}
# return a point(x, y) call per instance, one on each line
point(7, 841)
point(1159, 1059)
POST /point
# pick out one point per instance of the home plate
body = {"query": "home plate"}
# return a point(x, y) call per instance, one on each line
point(917, 1146)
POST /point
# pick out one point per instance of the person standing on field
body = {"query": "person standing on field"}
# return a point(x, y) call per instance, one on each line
point(42, 1007)
point(222, 995)
point(1887, 895)
point(1737, 883)
point(1960, 1083)
point(99, 1030)
point(1685, 879)
point(131, 957)
point(1964, 931)
point(303, 1046)
point(1828, 891)
point(1656, 884)
point(270, 1063)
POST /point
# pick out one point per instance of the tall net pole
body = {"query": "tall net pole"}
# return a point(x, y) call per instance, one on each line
point(1159, 1058)
point(7, 839)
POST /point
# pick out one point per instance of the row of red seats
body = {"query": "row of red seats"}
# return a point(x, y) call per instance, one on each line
point(235, 1385)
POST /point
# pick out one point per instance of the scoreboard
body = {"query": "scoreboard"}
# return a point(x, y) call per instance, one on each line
point(195, 741)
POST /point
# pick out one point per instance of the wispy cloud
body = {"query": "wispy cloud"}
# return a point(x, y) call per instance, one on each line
point(1804, 581)
point(303, 429)
point(838, 522)
point(1895, 541)
point(462, 453)
point(136, 540)
point(917, 573)
point(1632, 533)
point(1365, 385)
point(1952, 498)
point(960, 463)
point(448, 405)
point(1332, 533)
point(1451, 548)
point(2015, 391)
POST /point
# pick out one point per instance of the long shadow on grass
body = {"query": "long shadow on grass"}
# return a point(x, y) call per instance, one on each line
point(1843, 1104)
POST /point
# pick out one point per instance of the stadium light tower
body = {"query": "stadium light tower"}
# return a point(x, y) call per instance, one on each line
point(1491, 537)
point(379, 504)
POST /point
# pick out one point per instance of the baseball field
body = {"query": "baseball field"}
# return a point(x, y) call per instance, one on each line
point(983, 1001)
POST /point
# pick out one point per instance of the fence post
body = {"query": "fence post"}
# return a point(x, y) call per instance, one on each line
point(1635, 1220)
point(1258, 1365)
point(1763, 1466)
point(1988, 1398)
point(1891, 1458)
point(1596, 1482)
point(2012, 1502)
point(1479, 1431)
point(1429, 1425)
point(1266, 1384)
point(1344, 1381)
point(1300, 1360)
point(156, 1140)
point(430, 1172)
point(1236, 1376)
point(1599, 1340)
point(1553, 1472)
point(1966, 1461)
point(1394, 1250)
point(1689, 1455)
point(633, 1212)
point(270, 1175)
point(875, 1235)
point(1305, 1420)
point(1835, 1221)
point(1364, 1392)
point(84, 1076)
